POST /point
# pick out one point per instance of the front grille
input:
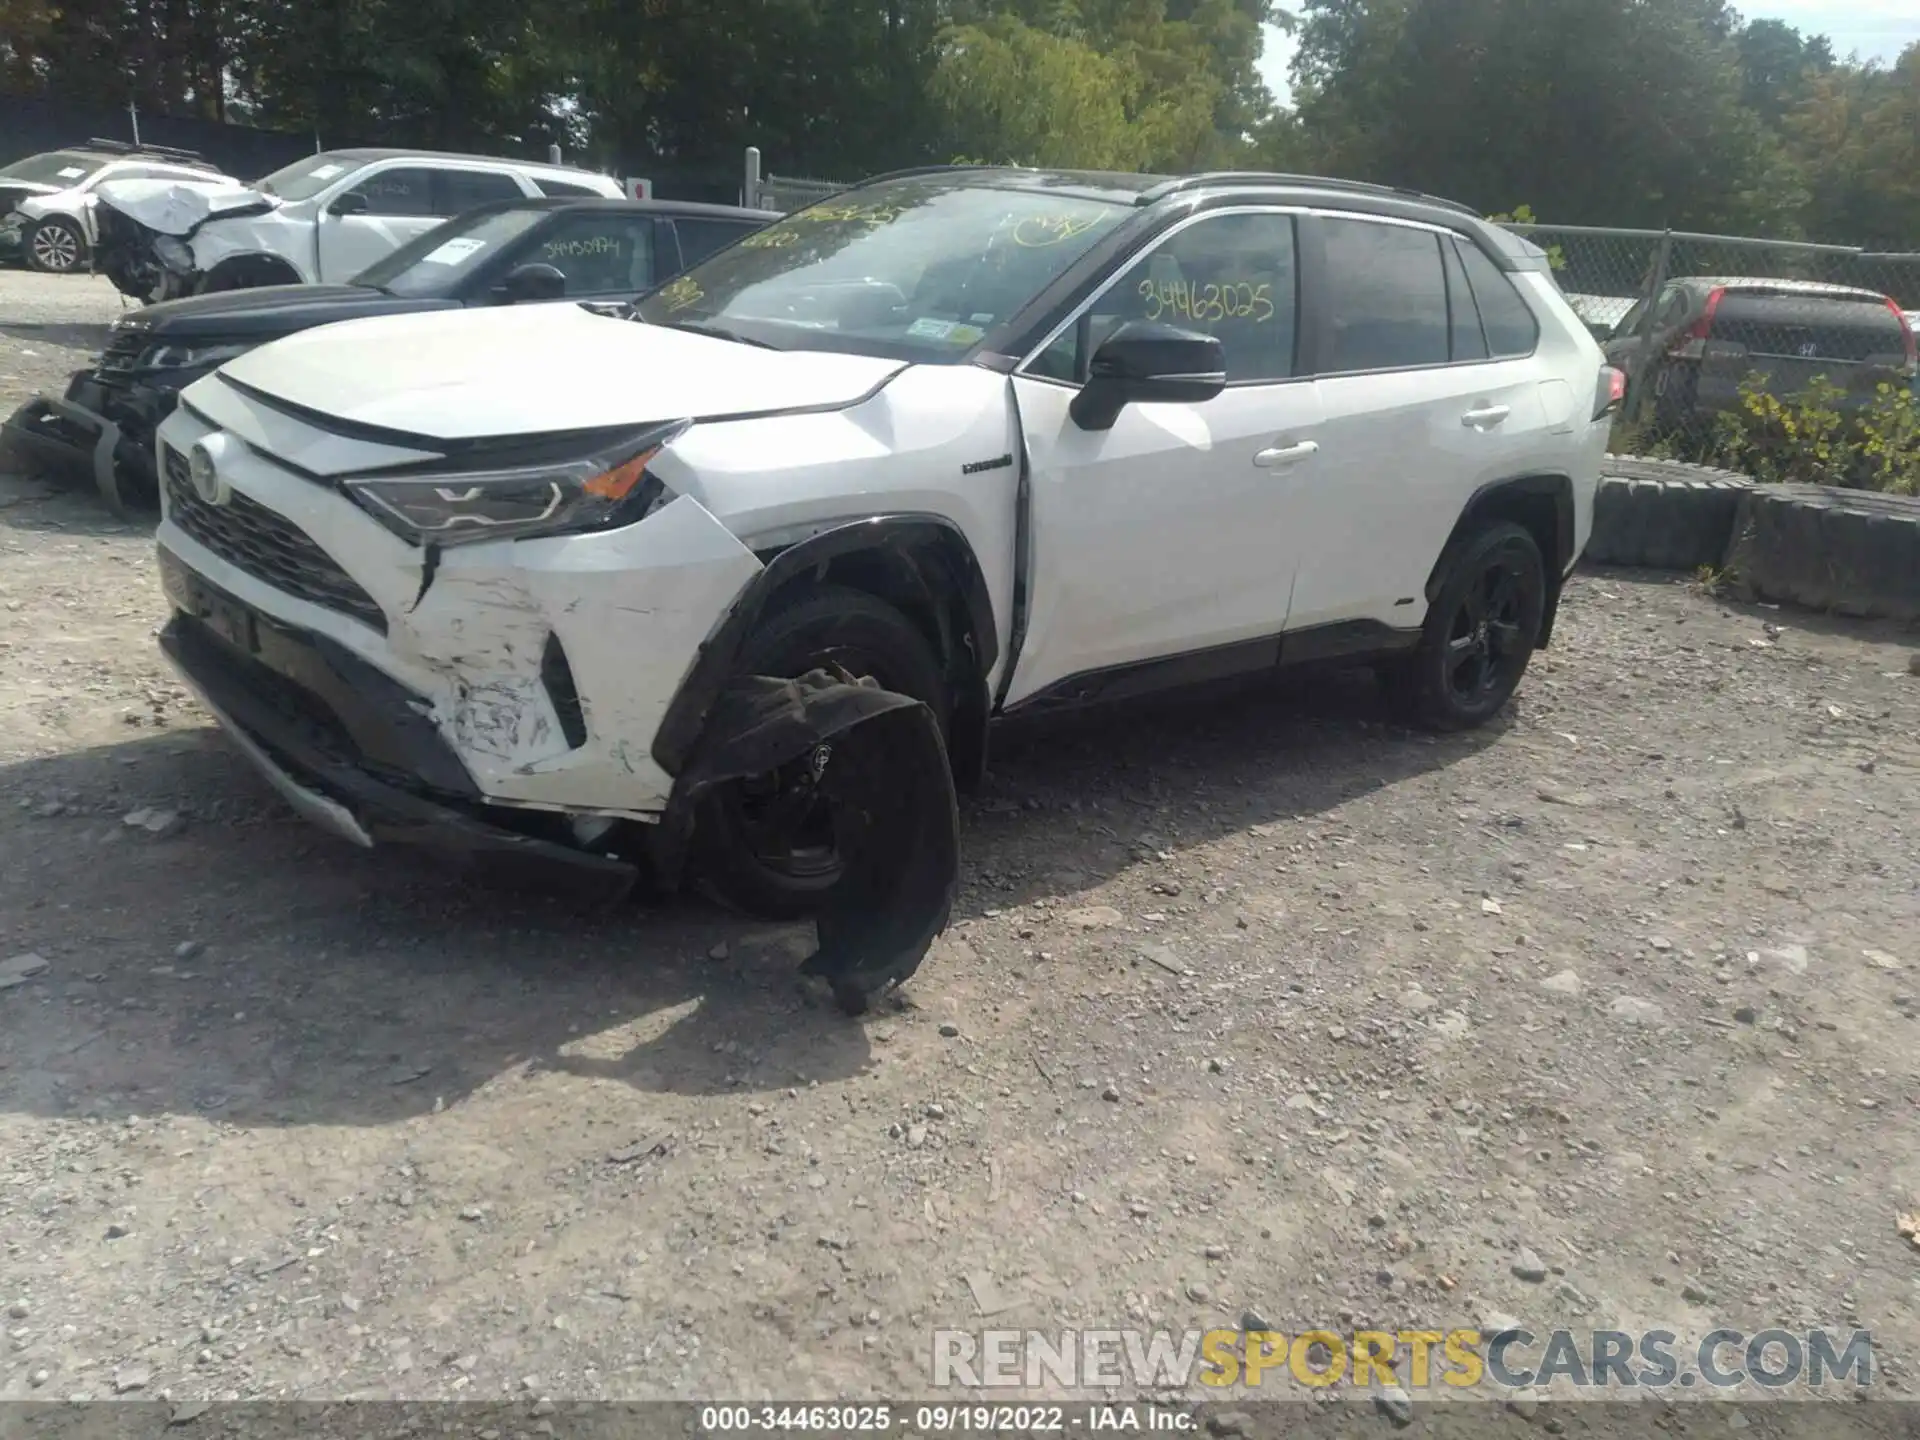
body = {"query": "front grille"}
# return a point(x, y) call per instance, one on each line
point(246, 534)
point(123, 348)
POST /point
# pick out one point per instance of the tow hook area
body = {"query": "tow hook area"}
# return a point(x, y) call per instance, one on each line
point(878, 758)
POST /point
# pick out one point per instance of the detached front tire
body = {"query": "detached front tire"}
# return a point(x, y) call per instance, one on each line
point(766, 844)
point(1480, 631)
point(56, 247)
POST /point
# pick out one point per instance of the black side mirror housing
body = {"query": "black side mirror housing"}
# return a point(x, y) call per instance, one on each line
point(349, 202)
point(533, 281)
point(1144, 362)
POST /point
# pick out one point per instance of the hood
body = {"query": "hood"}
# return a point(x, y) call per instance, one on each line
point(19, 192)
point(532, 369)
point(179, 207)
point(270, 311)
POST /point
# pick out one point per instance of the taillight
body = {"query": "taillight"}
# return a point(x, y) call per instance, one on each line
point(1692, 343)
point(1906, 332)
point(1611, 393)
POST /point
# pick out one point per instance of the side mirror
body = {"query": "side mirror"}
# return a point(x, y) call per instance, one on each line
point(531, 282)
point(349, 202)
point(1143, 362)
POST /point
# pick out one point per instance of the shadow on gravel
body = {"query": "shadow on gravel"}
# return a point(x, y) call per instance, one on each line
point(320, 985)
point(67, 335)
point(64, 504)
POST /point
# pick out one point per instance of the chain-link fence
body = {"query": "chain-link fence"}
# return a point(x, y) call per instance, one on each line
point(1739, 350)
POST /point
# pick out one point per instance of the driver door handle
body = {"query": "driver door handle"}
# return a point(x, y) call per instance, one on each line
point(1485, 417)
point(1285, 454)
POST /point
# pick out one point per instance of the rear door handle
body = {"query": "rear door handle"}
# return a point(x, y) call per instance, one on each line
point(1285, 454)
point(1486, 416)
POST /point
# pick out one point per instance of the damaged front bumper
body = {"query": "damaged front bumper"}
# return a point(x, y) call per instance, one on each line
point(356, 753)
point(100, 431)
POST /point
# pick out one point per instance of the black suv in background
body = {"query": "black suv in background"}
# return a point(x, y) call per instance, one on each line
point(513, 251)
point(1710, 336)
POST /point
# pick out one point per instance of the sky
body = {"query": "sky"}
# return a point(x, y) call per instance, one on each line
point(1875, 29)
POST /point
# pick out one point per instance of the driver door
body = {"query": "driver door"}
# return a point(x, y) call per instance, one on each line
point(1168, 535)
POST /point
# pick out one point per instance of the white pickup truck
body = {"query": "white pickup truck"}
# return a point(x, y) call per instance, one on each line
point(321, 220)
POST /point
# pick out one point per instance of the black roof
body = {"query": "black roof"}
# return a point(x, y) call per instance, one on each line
point(691, 209)
point(1145, 189)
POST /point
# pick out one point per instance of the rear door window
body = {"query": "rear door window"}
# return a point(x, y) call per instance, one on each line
point(700, 237)
point(1386, 297)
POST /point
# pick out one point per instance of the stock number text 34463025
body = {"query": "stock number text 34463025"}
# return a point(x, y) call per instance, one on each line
point(1203, 302)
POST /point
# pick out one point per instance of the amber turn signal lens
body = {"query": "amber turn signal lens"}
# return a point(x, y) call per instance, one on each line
point(618, 483)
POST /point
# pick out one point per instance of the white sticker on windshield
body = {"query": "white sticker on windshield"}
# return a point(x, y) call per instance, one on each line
point(326, 172)
point(929, 329)
point(72, 172)
point(452, 252)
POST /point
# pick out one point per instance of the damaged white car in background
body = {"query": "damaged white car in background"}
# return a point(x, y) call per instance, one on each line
point(735, 587)
point(320, 220)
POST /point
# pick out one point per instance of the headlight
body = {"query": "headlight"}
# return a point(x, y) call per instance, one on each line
point(597, 492)
point(174, 253)
point(183, 357)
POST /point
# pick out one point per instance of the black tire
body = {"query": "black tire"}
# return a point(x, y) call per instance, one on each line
point(56, 247)
point(1480, 631)
point(246, 273)
point(740, 849)
point(1854, 552)
point(1663, 514)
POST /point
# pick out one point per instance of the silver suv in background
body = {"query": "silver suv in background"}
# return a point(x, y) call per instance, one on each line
point(49, 202)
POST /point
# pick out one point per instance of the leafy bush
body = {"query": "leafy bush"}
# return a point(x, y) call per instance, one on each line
point(1808, 438)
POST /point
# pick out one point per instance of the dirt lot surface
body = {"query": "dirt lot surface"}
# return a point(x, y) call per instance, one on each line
point(1603, 1017)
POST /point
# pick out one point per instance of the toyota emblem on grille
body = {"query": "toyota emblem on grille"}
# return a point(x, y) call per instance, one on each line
point(207, 483)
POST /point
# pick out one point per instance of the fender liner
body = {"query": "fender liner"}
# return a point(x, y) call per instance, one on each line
point(910, 542)
point(250, 259)
point(898, 825)
point(1541, 503)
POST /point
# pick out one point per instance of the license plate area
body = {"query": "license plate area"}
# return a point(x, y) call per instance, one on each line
point(225, 616)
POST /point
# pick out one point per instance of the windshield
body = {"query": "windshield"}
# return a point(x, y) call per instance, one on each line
point(60, 167)
point(306, 178)
point(438, 261)
point(916, 269)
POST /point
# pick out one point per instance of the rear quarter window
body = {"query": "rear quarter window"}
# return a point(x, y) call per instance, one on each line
point(1509, 325)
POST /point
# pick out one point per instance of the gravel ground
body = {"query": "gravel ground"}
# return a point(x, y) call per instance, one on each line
point(1603, 1017)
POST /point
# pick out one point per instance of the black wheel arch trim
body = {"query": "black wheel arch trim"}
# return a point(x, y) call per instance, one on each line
point(1559, 490)
point(252, 258)
point(906, 536)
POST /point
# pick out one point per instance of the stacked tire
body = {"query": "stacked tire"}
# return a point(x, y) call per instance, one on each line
point(1664, 514)
point(1853, 552)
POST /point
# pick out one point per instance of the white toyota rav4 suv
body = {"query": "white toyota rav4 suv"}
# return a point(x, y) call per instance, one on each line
point(985, 440)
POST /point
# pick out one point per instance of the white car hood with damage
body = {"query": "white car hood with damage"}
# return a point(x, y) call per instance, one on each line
point(173, 207)
point(532, 369)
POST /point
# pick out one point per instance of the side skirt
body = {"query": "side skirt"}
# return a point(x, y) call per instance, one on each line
point(1346, 641)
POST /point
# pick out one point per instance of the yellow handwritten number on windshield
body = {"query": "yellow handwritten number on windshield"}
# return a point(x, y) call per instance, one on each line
point(681, 293)
point(1036, 232)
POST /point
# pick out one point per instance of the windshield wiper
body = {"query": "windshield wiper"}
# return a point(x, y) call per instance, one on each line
point(719, 332)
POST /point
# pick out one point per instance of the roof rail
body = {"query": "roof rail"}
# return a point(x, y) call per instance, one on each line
point(1316, 182)
point(122, 147)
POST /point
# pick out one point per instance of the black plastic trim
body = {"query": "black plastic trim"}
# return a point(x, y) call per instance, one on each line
point(714, 663)
point(1337, 643)
point(323, 698)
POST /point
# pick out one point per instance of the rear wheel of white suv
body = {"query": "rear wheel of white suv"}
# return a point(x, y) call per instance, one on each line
point(767, 844)
point(1480, 631)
